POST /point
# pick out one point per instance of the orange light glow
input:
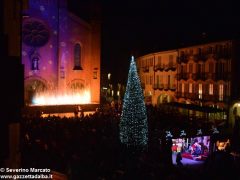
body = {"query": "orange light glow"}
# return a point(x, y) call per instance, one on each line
point(46, 98)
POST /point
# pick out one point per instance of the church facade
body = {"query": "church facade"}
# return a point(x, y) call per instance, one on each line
point(61, 55)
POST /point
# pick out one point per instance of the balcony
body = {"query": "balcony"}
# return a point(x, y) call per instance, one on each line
point(211, 76)
point(194, 76)
point(158, 86)
point(223, 76)
point(224, 55)
point(200, 76)
point(182, 59)
point(173, 87)
point(182, 76)
point(192, 96)
point(178, 94)
point(182, 95)
point(166, 67)
point(215, 98)
point(145, 69)
point(197, 76)
point(159, 67)
point(200, 57)
point(208, 97)
point(210, 55)
point(154, 86)
point(172, 67)
point(190, 56)
point(165, 86)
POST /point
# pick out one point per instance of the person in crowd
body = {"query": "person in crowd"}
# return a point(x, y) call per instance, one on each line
point(179, 159)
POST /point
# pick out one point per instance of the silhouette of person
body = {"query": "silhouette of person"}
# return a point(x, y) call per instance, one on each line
point(178, 159)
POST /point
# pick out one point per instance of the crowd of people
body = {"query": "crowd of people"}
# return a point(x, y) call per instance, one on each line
point(88, 147)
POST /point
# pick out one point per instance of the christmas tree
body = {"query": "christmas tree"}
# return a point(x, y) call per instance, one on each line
point(133, 124)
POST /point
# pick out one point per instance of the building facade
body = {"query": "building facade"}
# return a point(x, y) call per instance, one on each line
point(60, 52)
point(208, 76)
point(157, 72)
point(205, 76)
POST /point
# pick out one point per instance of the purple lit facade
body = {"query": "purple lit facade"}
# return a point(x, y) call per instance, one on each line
point(60, 51)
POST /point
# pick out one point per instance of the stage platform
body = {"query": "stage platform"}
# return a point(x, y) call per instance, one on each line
point(58, 110)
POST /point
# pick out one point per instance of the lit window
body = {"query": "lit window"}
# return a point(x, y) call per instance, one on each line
point(77, 57)
point(35, 61)
point(221, 92)
point(109, 76)
point(190, 87)
point(95, 75)
point(210, 89)
point(200, 91)
point(35, 58)
point(182, 88)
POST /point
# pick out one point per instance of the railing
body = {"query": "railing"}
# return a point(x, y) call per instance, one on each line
point(159, 67)
point(200, 57)
point(211, 76)
point(208, 97)
point(158, 86)
point(182, 58)
point(172, 67)
point(173, 87)
point(223, 55)
point(200, 76)
point(155, 86)
point(166, 86)
point(205, 97)
point(210, 55)
point(145, 69)
point(204, 76)
point(182, 76)
point(165, 67)
point(223, 76)
point(178, 94)
point(204, 56)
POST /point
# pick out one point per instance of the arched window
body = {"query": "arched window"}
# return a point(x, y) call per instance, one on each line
point(35, 61)
point(35, 58)
point(77, 57)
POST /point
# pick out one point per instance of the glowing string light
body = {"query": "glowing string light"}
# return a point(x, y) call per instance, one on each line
point(133, 125)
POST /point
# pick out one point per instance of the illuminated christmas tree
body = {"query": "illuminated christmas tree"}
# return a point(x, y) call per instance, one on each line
point(133, 124)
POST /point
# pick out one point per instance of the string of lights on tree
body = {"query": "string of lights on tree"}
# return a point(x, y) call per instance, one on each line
point(133, 124)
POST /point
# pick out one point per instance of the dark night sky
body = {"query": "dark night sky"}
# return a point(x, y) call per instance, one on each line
point(131, 27)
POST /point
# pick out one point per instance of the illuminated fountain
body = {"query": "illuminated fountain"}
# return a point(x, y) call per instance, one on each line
point(69, 98)
point(61, 104)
